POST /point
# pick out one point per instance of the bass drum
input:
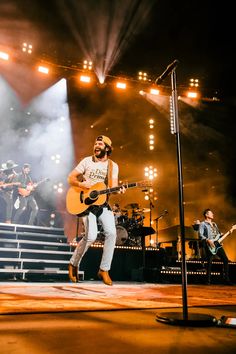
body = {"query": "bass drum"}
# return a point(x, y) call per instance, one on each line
point(122, 235)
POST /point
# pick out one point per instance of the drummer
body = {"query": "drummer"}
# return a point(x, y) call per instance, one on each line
point(116, 211)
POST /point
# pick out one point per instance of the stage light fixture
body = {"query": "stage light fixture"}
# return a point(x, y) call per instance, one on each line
point(150, 172)
point(151, 142)
point(194, 83)
point(4, 56)
point(172, 120)
point(85, 79)
point(142, 76)
point(121, 85)
point(43, 69)
point(27, 48)
point(88, 65)
point(191, 94)
point(151, 123)
point(154, 92)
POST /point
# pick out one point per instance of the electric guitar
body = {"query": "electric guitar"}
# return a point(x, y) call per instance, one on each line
point(4, 185)
point(79, 200)
point(218, 240)
point(25, 192)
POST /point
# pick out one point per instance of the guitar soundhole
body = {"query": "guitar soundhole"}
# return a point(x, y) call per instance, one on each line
point(88, 201)
point(93, 195)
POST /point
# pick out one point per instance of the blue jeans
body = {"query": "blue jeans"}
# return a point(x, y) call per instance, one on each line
point(91, 231)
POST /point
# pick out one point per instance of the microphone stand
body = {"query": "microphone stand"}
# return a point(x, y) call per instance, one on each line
point(151, 206)
point(176, 318)
point(157, 222)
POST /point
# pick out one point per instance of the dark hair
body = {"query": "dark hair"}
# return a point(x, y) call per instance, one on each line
point(109, 150)
point(206, 211)
point(26, 165)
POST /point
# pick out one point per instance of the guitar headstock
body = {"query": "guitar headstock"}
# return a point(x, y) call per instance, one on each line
point(233, 227)
point(145, 183)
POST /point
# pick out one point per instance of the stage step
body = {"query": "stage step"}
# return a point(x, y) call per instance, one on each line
point(34, 253)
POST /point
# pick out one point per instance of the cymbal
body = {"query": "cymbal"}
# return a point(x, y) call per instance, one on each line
point(132, 206)
point(144, 210)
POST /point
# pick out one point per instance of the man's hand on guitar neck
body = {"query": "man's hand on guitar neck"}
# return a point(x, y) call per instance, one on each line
point(122, 190)
point(232, 229)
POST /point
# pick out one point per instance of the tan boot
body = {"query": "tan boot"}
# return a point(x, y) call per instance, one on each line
point(104, 276)
point(73, 273)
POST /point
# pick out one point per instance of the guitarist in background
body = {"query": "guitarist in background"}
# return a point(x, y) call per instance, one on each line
point(208, 232)
point(91, 170)
point(27, 198)
point(7, 183)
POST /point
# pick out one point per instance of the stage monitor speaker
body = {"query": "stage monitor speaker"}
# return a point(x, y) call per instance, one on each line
point(142, 231)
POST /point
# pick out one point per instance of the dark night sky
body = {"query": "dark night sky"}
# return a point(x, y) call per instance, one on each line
point(199, 34)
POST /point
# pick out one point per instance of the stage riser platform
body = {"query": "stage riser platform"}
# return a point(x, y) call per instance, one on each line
point(37, 254)
point(34, 253)
point(127, 265)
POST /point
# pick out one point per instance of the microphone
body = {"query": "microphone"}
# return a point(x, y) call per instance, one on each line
point(166, 212)
point(168, 70)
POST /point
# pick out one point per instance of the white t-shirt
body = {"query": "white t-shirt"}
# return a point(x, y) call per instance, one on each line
point(96, 171)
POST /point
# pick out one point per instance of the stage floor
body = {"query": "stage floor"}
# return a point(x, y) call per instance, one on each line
point(21, 297)
point(91, 317)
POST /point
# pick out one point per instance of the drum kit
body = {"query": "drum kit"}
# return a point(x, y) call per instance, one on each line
point(128, 223)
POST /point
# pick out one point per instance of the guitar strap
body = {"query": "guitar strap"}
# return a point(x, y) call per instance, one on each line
point(108, 179)
point(109, 172)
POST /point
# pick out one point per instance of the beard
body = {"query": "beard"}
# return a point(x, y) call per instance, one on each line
point(100, 153)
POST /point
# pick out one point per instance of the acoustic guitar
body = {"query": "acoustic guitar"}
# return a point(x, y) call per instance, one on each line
point(78, 200)
point(218, 240)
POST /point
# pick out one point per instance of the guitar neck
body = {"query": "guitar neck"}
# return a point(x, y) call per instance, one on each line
point(224, 236)
point(115, 189)
point(40, 182)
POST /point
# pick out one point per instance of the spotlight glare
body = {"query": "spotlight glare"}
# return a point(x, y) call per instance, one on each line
point(27, 48)
point(154, 92)
point(4, 56)
point(191, 94)
point(121, 85)
point(84, 78)
point(101, 79)
point(43, 69)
